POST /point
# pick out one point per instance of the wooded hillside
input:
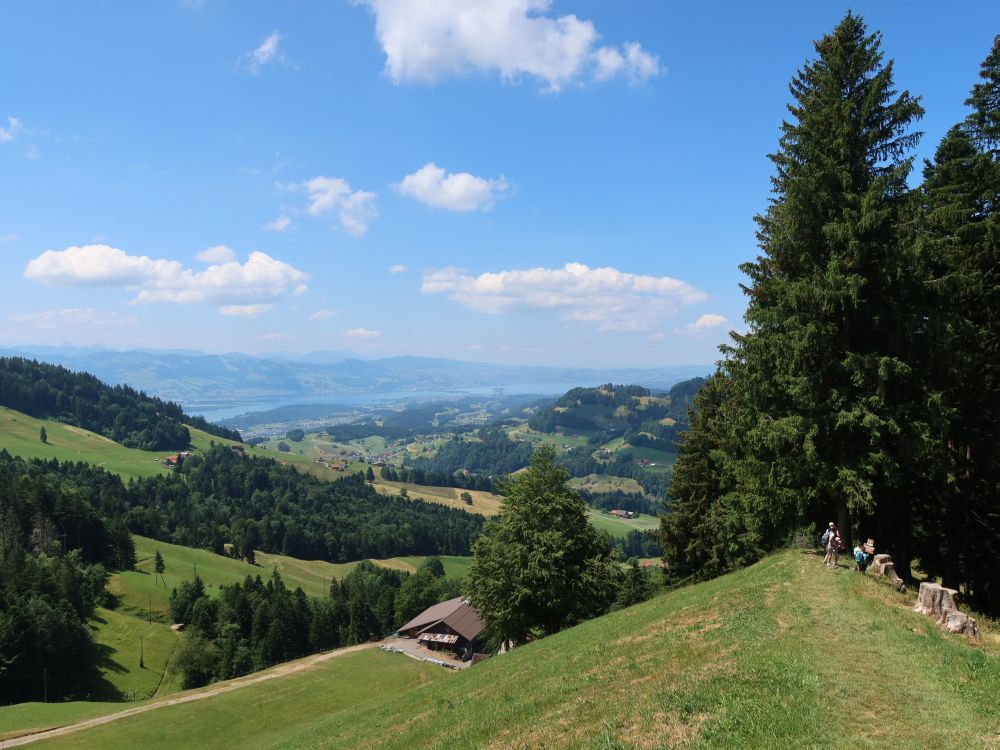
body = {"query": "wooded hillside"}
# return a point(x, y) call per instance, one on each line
point(119, 412)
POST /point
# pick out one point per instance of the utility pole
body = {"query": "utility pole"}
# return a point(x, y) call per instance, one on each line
point(141, 664)
point(149, 598)
point(45, 684)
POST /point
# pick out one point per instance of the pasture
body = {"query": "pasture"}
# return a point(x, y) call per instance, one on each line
point(743, 661)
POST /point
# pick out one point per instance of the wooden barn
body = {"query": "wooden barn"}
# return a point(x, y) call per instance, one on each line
point(453, 626)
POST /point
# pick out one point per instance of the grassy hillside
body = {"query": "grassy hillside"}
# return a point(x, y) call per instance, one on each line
point(785, 654)
point(622, 526)
point(19, 435)
point(139, 589)
point(329, 688)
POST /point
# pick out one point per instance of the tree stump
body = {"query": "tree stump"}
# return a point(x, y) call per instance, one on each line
point(883, 566)
point(934, 600)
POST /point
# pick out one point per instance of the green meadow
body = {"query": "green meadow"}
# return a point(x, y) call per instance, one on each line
point(784, 654)
point(257, 716)
point(622, 526)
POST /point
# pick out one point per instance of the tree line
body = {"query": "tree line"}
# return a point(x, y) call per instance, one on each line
point(460, 480)
point(253, 625)
point(865, 388)
point(121, 413)
point(257, 503)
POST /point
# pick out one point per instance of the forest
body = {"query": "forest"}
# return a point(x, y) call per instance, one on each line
point(56, 550)
point(118, 412)
point(865, 388)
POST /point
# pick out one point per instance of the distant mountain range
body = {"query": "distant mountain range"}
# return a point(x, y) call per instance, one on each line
point(193, 378)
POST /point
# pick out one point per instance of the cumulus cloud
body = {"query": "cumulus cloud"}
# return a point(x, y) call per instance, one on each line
point(245, 311)
point(356, 208)
point(362, 333)
point(265, 53)
point(8, 133)
point(605, 297)
point(704, 323)
point(217, 254)
point(72, 319)
point(631, 61)
point(397, 268)
point(261, 280)
point(278, 225)
point(323, 314)
point(425, 41)
point(456, 191)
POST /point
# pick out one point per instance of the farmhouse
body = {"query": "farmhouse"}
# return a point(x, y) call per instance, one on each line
point(176, 459)
point(623, 513)
point(453, 626)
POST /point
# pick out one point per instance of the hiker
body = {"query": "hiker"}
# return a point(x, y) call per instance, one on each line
point(836, 547)
point(860, 558)
point(829, 535)
point(863, 555)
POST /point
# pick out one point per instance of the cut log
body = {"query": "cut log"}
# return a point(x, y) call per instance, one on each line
point(883, 566)
point(934, 600)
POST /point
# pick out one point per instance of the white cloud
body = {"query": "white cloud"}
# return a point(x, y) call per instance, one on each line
point(245, 311)
point(98, 265)
point(8, 133)
point(704, 323)
point(278, 225)
point(362, 333)
point(355, 208)
point(9, 237)
point(324, 314)
point(425, 41)
point(631, 60)
point(265, 53)
point(397, 268)
point(260, 280)
point(655, 337)
point(457, 191)
point(73, 319)
point(217, 254)
point(613, 300)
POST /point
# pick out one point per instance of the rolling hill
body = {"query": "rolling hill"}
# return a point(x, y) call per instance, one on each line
point(779, 655)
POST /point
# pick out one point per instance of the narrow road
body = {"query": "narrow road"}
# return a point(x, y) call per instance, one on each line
point(282, 670)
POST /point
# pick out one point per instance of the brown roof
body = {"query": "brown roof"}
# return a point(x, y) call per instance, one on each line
point(455, 613)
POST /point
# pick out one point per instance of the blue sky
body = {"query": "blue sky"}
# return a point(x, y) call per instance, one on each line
point(566, 183)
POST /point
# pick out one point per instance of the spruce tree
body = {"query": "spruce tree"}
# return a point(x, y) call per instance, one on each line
point(959, 243)
point(827, 406)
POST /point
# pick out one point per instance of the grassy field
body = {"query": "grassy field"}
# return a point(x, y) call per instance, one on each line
point(785, 654)
point(139, 589)
point(483, 503)
point(19, 435)
point(321, 692)
point(25, 717)
point(622, 526)
point(606, 483)
point(139, 592)
point(117, 635)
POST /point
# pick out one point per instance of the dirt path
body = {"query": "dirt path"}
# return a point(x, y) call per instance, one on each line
point(282, 670)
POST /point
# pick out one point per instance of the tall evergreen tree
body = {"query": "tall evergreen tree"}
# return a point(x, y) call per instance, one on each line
point(828, 406)
point(959, 242)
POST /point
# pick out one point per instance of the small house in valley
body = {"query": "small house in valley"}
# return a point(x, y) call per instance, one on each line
point(453, 626)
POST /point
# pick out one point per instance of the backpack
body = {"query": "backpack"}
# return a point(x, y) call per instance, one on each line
point(825, 538)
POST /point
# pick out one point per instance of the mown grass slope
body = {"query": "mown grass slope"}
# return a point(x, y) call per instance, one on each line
point(785, 654)
point(139, 590)
point(261, 715)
